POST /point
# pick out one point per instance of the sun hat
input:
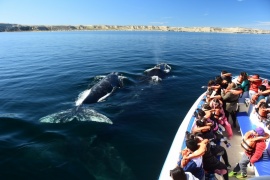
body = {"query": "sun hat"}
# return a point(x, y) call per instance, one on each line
point(260, 131)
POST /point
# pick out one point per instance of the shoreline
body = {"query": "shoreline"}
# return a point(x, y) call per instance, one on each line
point(5, 27)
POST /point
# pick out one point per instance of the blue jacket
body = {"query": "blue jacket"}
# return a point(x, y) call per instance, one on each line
point(195, 166)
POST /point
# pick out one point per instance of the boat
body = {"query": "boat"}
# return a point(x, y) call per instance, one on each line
point(246, 120)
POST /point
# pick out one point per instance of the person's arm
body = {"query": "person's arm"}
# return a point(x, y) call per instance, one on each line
point(221, 111)
point(208, 113)
point(258, 104)
point(184, 161)
point(226, 74)
point(215, 87)
point(254, 79)
point(225, 96)
point(236, 91)
point(266, 92)
point(200, 129)
point(254, 99)
point(200, 151)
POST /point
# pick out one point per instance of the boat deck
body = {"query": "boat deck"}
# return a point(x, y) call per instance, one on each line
point(235, 152)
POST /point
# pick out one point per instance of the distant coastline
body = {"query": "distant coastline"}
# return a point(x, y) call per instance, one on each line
point(5, 27)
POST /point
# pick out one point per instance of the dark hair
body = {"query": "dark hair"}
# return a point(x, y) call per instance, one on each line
point(200, 123)
point(178, 174)
point(192, 144)
point(211, 83)
point(224, 72)
point(216, 101)
point(244, 75)
point(218, 80)
point(189, 136)
point(263, 105)
point(262, 87)
point(201, 113)
point(206, 106)
point(200, 134)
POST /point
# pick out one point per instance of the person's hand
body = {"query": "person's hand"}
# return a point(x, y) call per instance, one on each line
point(222, 91)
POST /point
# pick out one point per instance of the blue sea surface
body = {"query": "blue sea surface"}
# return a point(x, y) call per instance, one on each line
point(44, 72)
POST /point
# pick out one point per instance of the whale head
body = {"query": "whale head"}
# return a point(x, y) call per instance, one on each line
point(158, 72)
point(164, 67)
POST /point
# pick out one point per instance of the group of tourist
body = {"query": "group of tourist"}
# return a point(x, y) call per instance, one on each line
point(201, 157)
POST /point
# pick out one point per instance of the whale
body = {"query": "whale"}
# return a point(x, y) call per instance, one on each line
point(158, 72)
point(97, 93)
point(101, 90)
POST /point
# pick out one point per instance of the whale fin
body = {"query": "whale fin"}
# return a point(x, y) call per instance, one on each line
point(108, 94)
point(76, 114)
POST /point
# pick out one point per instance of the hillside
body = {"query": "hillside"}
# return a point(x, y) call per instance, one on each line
point(17, 27)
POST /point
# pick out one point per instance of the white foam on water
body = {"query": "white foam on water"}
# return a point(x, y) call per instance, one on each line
point(82, 96)
point(156, 78)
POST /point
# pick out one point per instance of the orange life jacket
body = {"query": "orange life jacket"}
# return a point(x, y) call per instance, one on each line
point(249, 141)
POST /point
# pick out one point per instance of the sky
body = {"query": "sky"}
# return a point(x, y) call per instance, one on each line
point(173, 13)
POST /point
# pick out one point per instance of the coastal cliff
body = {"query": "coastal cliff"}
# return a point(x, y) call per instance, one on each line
point(17, 27)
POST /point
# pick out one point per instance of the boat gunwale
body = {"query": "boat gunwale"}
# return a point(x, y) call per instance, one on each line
point(178, 142)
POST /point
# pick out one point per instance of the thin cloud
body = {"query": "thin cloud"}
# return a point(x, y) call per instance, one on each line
point(205, 14)
point(257, 25)
point(240, 0)
point(261, 23)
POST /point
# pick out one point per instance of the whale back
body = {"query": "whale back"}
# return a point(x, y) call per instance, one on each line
point(103, 88)
point(160, 70)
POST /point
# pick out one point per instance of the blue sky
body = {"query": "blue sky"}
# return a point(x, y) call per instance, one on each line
point(179, 13)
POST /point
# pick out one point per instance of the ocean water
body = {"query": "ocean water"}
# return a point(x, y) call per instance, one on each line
point(44, 72)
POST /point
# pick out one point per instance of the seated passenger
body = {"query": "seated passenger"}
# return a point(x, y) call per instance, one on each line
point(253, 145)
point(191, 164)
point(179, 174)
point(208, 128)
point(226, 79)
point(266, 83)
point(226, 76)
point(201, 125)
point(255, 82)
point(257, 97)
point(219, 115)
point(217, 150)
point(212, 165)
point(262, 111)
point(243, 82)
point(266, 92)
point(213, 91)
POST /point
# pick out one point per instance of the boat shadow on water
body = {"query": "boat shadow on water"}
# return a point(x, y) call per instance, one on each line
point(52, 151)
